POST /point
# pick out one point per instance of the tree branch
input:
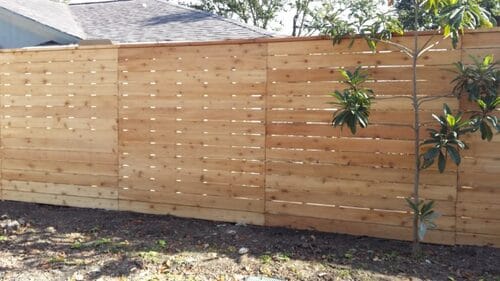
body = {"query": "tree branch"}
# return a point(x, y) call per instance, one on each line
point(427, 99)
point(423, 48)
point(403, 48)
point(393, 97)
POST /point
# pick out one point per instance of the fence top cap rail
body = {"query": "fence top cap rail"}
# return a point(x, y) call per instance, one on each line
point(205, 43)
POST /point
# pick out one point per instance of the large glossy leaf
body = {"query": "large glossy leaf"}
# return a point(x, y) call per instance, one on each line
point(454, 154)
point(441, 162)
point(486, 133)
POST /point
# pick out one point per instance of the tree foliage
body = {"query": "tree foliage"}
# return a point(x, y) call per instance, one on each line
point(354, 101)
point(344, 18)
point(256, 12)
point(428, 20)
point(302, 15)
point(445, 141)
point(480, 82)
point(426, 215)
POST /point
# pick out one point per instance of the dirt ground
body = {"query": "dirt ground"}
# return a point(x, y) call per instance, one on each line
point(58, 243)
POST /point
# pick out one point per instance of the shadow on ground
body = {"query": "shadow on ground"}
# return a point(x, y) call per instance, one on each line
point(83, 244)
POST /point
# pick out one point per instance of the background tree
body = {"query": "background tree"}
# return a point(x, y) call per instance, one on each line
point(454, 16)
point(428, 20)
point(256, 12)
point(343, 17)
point(302, 12)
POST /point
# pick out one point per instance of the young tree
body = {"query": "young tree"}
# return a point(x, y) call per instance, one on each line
point(454, 17)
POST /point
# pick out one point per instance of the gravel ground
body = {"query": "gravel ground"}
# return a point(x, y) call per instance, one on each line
point(41, 242)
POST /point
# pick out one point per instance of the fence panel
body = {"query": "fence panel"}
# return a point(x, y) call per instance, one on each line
point(240, 131)
point(59, 127)
point(327, 179)
point(192, 131)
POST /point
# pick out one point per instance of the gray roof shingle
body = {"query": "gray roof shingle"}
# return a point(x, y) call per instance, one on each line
point(49, 13)
point(156, 20)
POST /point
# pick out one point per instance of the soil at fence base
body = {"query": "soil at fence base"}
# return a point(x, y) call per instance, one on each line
point(58, 243)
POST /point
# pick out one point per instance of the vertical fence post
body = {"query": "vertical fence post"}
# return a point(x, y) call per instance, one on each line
point(266, 93)
point(117, 116)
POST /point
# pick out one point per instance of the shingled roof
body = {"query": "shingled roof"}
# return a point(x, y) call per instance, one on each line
point(156, 20)
point(129, 21)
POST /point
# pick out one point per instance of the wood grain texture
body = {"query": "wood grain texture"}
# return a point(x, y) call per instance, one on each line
point(240, 131)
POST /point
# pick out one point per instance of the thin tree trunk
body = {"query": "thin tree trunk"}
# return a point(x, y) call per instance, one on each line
point(416, 198)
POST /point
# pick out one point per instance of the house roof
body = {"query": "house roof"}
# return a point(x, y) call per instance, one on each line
point(48, 13)
point(155, 20)
point(128, 21)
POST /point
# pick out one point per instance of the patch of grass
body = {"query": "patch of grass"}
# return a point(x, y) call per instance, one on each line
point(95, 229)
point(3, 238)
point(162, 244)
point(178, 277)
point(57, 259)
point(101, 242)
point(77, 245)
point(343, 273)
point(391, 256)
point(231, 249)
point(282, 257)
point(265, 259)
point(350, 254)
point(150, 256)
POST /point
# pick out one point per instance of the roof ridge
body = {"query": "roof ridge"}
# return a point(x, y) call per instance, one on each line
point(244, 25)
point(93, 2)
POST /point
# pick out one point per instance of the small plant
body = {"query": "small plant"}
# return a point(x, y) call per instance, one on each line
point(266, 259)
point(350, 254)
point(162, 244)
point(354, 101)
point(479, 80)
point(150, 256)
point(76, 245)
point(445, 141)
point(100, 242)
point(481, 120)
point(426, 216)
point(57, 259)
point(282, 257)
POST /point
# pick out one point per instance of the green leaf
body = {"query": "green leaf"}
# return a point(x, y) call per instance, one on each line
point(412, 205)
point(486, 133)
point(481, 104)
point(446, 109)
point(441, 162)
point(438, 119)
point(422, 230)
point(429, 157)
point(451, 120)
point(454, 154)
point(488, 60)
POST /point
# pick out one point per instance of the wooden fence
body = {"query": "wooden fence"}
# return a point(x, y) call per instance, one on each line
point(239, 131)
